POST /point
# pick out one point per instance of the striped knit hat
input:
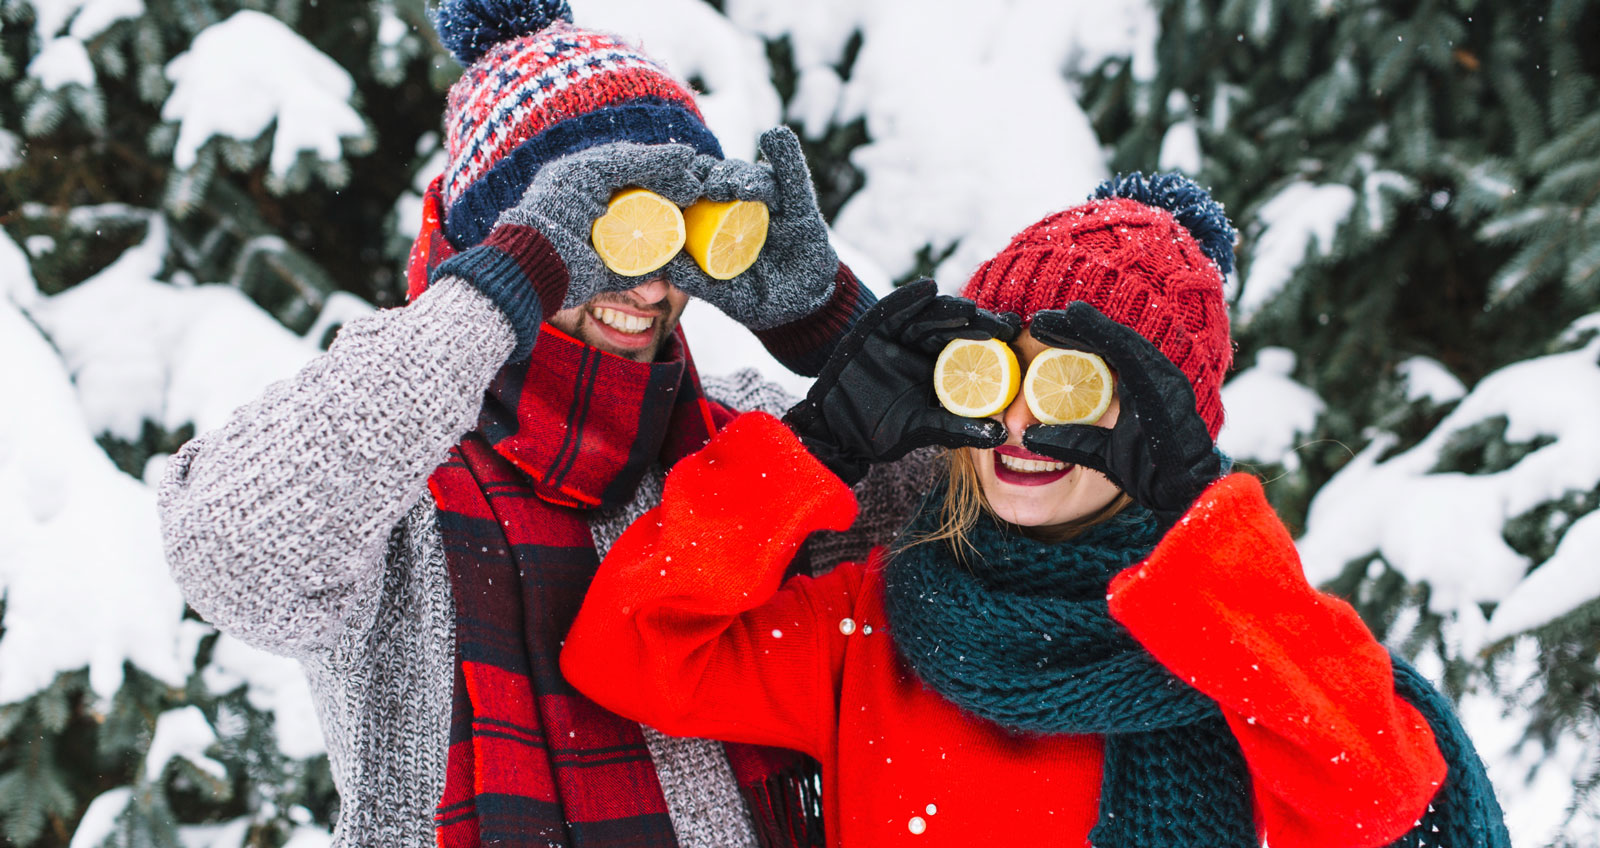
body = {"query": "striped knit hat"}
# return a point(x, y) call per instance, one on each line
point(537, 88)
point(1149, 253)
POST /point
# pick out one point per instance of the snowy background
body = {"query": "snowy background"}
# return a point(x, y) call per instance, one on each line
point(975, 132)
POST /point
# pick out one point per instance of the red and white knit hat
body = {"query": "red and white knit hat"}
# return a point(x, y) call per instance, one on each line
point(1149, 253)
point(536, 88)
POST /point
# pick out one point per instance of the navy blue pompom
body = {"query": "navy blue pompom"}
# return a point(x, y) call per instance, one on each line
point(471, 28)
point(1192, 205)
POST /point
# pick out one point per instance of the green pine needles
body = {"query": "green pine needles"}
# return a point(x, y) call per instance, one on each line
point(1441, 161)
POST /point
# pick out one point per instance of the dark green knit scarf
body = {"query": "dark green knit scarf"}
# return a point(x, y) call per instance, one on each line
point(1020, 634)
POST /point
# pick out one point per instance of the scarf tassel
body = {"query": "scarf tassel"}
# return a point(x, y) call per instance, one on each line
point(787, 807)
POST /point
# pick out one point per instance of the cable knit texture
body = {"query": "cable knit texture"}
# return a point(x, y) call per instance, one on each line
point(534, 98)
point(1022, 636)
point(1133, 262)
point(520, 270)
point(300, 528)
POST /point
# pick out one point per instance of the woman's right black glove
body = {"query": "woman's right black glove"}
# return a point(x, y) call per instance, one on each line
point(874, 400)
point(1159, 451)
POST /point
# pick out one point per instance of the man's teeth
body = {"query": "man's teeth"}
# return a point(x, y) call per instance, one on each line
point(1030, 466)
point(621, 320)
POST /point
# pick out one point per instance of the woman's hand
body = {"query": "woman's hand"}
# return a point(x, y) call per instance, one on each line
point(1159, 451)
point(874, 400)
point(794, 274)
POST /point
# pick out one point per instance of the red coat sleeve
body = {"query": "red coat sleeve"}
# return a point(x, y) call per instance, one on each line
point(1337, 759)
point(685, 627)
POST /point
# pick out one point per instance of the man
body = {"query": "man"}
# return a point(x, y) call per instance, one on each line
point(416, 515)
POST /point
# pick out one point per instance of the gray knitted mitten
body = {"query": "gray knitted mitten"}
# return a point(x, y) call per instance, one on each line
point(794, 275)
point(568, 195)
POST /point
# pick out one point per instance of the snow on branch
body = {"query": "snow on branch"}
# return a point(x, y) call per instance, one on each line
point(1301, 217)
point(249, 72)
point(1446, 528)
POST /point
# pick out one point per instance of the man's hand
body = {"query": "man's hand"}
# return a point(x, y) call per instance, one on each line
point(874, 400)
point(568, 195)
point(540, 258)
point(1159, 452)
point(794, 273)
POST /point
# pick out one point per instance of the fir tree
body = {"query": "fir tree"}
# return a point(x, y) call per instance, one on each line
point(87, 167)
point(1449, 148)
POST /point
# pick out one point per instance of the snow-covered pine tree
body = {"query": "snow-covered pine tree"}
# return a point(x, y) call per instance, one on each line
point(1418, 184)
point(213, 141)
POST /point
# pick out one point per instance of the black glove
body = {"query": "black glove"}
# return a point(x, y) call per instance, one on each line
point(1159, 452)
point(874, 400)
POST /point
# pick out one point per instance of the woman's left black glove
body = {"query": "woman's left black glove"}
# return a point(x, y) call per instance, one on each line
point(874, 400)
point(1159, 452)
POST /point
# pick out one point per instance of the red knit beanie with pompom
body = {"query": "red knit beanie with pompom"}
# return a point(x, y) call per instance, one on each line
point(1132, 259)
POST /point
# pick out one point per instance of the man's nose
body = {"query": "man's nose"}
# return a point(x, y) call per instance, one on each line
point(652, 291)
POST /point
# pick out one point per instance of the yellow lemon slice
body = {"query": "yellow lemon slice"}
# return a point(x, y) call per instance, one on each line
point(976, 379)
point(640, 232)
point(725, 238)
point(1068, 387)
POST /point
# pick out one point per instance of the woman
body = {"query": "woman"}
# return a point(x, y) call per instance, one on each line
point(1088, 633)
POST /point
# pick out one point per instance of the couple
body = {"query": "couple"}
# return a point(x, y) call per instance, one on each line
point(1116, 644)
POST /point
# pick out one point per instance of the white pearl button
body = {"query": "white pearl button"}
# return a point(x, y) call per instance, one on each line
point(917, 825)
point(847, 626)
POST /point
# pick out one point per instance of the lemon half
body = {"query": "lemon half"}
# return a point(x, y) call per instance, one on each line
point(976, 378)
point(725, 238)
point(640, 232)
point(1068, 387)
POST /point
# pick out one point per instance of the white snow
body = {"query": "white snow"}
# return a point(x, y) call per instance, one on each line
point(1268, 411)
point(968, 110)
point(62, 62)
point(89, 17)
point(81, 566)
point(83, 572)
point(309, 837)
point(100, 820)
point(16, 277)
point(229, 834)
point(182, 733)
point(1445, 528)
point(1427, 378)
point(10, 150)
point(1302, 216)
point(693, 40)
point(142, 349)
point(1180, 148)
point(288, 81)
point(277, 685)
point(1566, 581)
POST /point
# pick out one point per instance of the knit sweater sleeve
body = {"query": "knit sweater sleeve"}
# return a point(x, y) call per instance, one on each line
point(804, 344)
point(1337, 758)
point(685, 627)
point(276, 524)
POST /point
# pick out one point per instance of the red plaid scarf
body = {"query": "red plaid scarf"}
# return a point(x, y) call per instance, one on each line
point(531, 760)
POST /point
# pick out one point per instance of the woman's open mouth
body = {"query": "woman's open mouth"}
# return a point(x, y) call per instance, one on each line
point(1023, 468)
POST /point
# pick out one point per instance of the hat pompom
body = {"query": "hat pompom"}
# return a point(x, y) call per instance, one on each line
point(471, 28)
point(1193, 206)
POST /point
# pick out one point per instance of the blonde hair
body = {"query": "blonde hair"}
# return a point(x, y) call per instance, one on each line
point(964, 503)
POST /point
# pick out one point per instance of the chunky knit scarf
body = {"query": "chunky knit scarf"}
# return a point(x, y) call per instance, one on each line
point(1022, 635)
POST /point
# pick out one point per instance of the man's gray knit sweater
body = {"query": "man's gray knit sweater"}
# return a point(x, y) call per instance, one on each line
point(301, 527)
